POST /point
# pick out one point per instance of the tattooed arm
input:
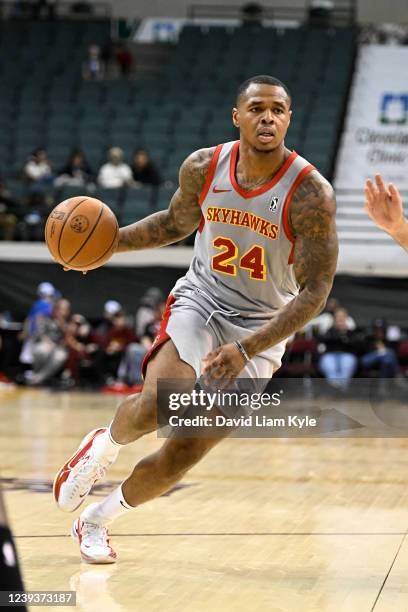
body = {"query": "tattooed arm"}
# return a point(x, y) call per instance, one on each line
point(312, 220)
point(180, 219)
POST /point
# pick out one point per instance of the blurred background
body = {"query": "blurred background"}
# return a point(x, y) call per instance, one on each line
point(107, 99)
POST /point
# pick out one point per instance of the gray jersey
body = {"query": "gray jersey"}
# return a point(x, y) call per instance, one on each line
point(243, 250)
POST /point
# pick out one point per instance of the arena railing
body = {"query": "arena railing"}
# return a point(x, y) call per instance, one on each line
point(9, 9)
point(342, 13)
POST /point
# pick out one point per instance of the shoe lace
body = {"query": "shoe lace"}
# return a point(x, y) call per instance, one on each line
point(95, 535)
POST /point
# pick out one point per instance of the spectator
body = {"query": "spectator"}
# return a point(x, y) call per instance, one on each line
point(325, 321)
point(152, 328)
point(143, 169)
point(9, 211)
point(110, 309)
point(34, 213)
point(115, 173)
point(42, 307)
point(124, 59)
point(380, 357)
point(76, 172)
point(146, 311)
point(339, 362)
point(84, 351)
point(49, 350)
point(93, 69)
point(37, 170)
point(130, 367)
point(115, 342)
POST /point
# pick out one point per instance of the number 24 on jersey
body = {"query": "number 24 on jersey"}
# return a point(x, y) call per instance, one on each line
point(229, 259)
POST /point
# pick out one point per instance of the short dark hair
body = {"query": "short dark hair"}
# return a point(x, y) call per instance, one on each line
point(262, 79)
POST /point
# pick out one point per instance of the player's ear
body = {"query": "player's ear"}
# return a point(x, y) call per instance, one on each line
point(235, 117)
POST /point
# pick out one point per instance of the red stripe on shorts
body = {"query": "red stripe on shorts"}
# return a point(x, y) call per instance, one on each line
point(162, 336)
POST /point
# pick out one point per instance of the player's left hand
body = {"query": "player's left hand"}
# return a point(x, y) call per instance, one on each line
point(225, 363)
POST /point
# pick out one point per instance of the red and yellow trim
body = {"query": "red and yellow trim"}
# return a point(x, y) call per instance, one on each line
point(252, 193)
point(162, 336)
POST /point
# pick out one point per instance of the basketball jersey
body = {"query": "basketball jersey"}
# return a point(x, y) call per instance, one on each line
point(243, 251)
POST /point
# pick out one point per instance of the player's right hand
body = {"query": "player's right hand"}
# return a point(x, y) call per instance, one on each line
point(384, 205)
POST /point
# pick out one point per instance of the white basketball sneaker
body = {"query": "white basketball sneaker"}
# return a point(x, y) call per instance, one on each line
point(78, 475)
point(93, 542)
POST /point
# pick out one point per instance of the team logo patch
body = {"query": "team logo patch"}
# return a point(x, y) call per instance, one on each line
point(273, 204)
point(79, 224)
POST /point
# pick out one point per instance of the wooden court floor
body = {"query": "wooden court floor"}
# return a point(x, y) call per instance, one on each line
point(260, 525)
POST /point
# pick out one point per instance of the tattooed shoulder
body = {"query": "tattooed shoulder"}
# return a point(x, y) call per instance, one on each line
point(193, 170)
point(313, 207)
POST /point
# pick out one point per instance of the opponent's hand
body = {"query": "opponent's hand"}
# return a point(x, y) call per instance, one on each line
point(225, 363)
point(384, 205)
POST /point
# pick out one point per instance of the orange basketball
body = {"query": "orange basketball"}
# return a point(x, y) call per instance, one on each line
point(81, 233)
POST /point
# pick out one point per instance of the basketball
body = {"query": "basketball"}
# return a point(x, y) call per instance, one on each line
point(81, 233)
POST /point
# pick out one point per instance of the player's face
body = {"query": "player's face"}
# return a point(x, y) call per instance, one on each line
point(263, 116)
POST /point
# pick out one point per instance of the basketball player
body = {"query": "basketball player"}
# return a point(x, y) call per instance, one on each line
point(10, 578)
point(385, 208)
point(264, 260)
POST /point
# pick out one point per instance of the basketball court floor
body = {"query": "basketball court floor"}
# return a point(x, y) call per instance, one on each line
point(260, 525)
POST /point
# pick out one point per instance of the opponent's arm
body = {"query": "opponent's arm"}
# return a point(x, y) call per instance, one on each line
point(180, 219)
point(312, 220)
point(385, 208)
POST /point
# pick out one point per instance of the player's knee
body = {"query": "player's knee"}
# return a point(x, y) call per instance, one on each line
point(179, 457)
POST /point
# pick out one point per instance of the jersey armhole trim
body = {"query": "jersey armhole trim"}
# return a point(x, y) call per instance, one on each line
point(285, 212)
point(210, 174)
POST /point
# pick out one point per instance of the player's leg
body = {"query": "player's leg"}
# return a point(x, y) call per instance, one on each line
point(10, 577)
point(135, 416)
point(152, 476)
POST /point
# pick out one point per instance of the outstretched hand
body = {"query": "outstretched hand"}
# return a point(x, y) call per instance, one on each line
point(384, 205)
point(225, 363)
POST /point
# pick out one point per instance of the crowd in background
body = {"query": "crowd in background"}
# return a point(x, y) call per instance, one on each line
point(23, 218)
point(61, 348)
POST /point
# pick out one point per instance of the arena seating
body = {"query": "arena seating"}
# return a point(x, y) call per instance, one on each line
point(46, 102)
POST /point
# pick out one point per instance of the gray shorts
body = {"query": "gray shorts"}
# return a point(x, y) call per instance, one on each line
point(197, 326)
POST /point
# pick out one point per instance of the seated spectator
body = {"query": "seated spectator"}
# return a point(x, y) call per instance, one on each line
point(34, 214)
point(48, 350)
point(124, 59)
point(110, 309)
point(143, 169)
point(115, 173)
point(147, 309)
point(37, 170)
point(84, 352)
point(9, 212)
point(380, 357)
point(322, 323)
point(130, 367)
point(42, 307)
point(77, 171)
point(339, 363)
point(152, 328)
point(115, 342)
point(93, 68)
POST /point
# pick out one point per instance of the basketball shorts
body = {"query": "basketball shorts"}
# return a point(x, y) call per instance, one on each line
point(197, 326)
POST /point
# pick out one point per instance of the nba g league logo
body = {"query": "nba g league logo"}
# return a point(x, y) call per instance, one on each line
point(273, 204)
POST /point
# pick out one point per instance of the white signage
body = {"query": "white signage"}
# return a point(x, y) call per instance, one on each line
point(376, 132)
